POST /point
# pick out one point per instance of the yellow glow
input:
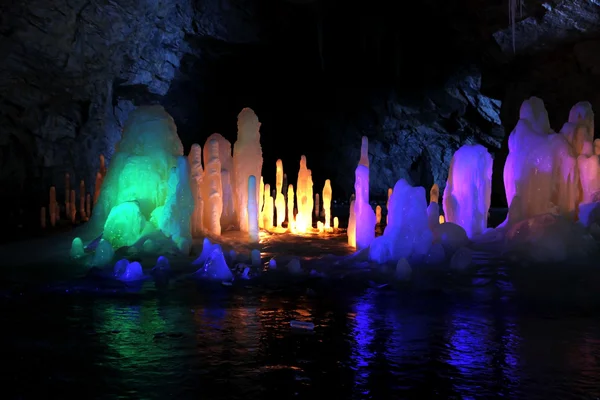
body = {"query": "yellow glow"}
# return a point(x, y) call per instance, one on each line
point(442, 220)
point(336, 223)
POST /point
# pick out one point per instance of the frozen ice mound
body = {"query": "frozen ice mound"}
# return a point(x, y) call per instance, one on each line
point(215, 267)
point(128, 272)
point(407, 233)
point(549, 238)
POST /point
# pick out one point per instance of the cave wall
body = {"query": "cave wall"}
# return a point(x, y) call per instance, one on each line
point(419, 80)
point(71, 72)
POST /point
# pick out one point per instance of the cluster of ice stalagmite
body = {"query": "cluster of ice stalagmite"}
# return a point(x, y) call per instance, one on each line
point(548, 172)
point(220, 188)
point(147, 187)
point(551, 180)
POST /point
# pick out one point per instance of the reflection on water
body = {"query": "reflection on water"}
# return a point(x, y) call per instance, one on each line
point(239, 345)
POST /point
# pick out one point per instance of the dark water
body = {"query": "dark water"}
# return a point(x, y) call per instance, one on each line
point(509, 337)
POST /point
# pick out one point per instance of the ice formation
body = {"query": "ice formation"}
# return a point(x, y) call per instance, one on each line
point(279, 198)
point(173, 218)
point(215, 267)
point(468, 190)
point(294, 266)
point(327, 203)
point(550, 238)
point(304, 198)
point(141, 174)
point(407, 233)
point(462, 259)
point(541, 167)
point(125, 224)
point(268, 208)
point(433, 211)
point(77, 250)
point(403, 270)
point(261, 202)
point(103, 255)
point(247, 161)
point(226, 160)
point(317, 205)
point(364, 215)
point(351, 230)
point(252, 210)
point(255, 258)
point(128, 272)
point(213, 190)
point(196, 187)
point(387, 205)
point(290, 209)
point(364, 152)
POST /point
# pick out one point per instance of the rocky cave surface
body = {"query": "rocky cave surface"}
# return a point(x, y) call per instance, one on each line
point(71, 71)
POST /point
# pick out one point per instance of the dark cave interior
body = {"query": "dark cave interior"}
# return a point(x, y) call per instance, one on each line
point(418, 79)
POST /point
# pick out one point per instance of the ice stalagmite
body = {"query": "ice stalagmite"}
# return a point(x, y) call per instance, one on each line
point(290, 209)
point(279, 198)
point(364, 215)
point(327, 203)
point(196, 178)
point(213, 205)
point(303, 198)
point(468, 190)
point(226, 159)
point(407, 233)
point(252, 210)
point(247, 161)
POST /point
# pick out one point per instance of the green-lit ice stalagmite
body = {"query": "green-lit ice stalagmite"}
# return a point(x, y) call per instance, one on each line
point(146, 184)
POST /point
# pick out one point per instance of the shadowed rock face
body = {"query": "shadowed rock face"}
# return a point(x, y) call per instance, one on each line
point(419, 80)
point(72, 70)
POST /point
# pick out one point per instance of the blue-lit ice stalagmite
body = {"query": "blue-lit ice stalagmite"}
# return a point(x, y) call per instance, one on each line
point(146, 188)
point(468, 190)
point(407, 233)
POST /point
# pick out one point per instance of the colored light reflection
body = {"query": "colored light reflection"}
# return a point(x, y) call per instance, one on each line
point(363, 333)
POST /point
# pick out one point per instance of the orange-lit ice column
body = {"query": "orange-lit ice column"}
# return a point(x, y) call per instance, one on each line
point(327, 203)
point(311, 201)
point(336, 223)
point(267, 213)
point(213, 190)
point(364, 152)
point(82, 200)
point(378, 214)
point(290, 209)
point(351, 231)
point(247, 160)
point(433, 210)
point(252, 210)
point(67, 195)
point(279, 198)
point(73, 205)
point(387, 206)
point(302, 200)
point(226, 159)
point(196, 178)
